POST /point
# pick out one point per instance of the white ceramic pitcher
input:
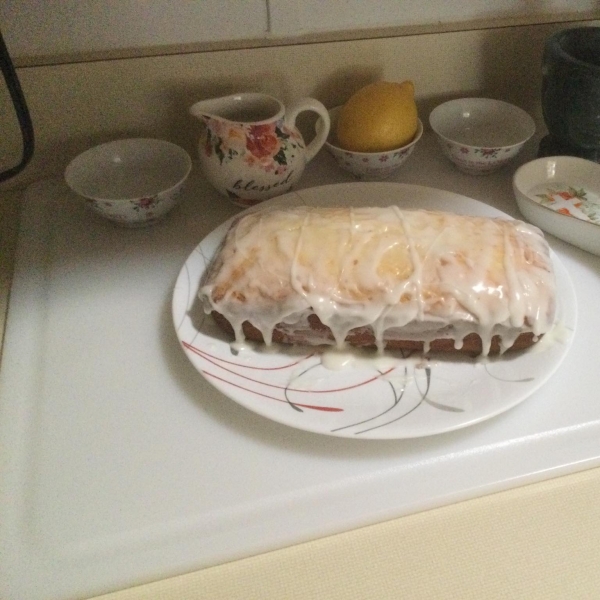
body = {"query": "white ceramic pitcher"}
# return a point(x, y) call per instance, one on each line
point(250, 148)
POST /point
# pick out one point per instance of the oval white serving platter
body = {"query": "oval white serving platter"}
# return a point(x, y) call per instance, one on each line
point(403, 397)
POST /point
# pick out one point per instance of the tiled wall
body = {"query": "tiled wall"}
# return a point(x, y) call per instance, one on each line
point(41, 32)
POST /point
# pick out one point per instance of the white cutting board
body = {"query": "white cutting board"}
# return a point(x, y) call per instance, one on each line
point(121, 464)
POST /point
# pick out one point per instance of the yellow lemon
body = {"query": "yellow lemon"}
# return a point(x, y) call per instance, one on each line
point(379, 117)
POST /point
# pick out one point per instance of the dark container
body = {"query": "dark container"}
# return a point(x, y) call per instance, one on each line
point(571, 93)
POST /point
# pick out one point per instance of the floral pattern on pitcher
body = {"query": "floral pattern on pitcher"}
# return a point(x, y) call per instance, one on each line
point(269, 147)
point(250, 149)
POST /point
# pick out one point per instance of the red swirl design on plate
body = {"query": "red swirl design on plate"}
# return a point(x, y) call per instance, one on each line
point(233, 368)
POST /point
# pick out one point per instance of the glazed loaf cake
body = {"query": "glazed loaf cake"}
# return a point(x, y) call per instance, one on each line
point(384, 277)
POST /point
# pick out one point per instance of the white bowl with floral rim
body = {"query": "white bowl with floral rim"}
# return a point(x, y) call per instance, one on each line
point(133, 182)
point(481, 135)
point(367, 166)
point(561, 195)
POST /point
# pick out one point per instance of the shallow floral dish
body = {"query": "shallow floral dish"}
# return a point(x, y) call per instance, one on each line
point(132, 182)
point(367, 166)
point(367, 398)
point(480, 135)
point(561, 195)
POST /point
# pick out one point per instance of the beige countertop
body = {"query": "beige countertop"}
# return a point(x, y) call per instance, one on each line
point(536, 541)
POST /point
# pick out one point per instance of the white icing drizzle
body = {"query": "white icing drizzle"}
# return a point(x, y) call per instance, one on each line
point(412, 275)
point(351, 358)
point(559, 334)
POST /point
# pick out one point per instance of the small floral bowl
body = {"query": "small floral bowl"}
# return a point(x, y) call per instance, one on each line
point(368, 166)
point(132, 182)
point(480, 135)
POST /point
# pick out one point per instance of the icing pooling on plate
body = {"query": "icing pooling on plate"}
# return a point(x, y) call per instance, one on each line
point(415, 275)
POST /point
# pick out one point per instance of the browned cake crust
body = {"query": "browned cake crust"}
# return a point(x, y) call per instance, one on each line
point(363, 338)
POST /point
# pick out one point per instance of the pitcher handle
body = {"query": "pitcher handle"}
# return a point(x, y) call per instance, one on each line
point(322, 132)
